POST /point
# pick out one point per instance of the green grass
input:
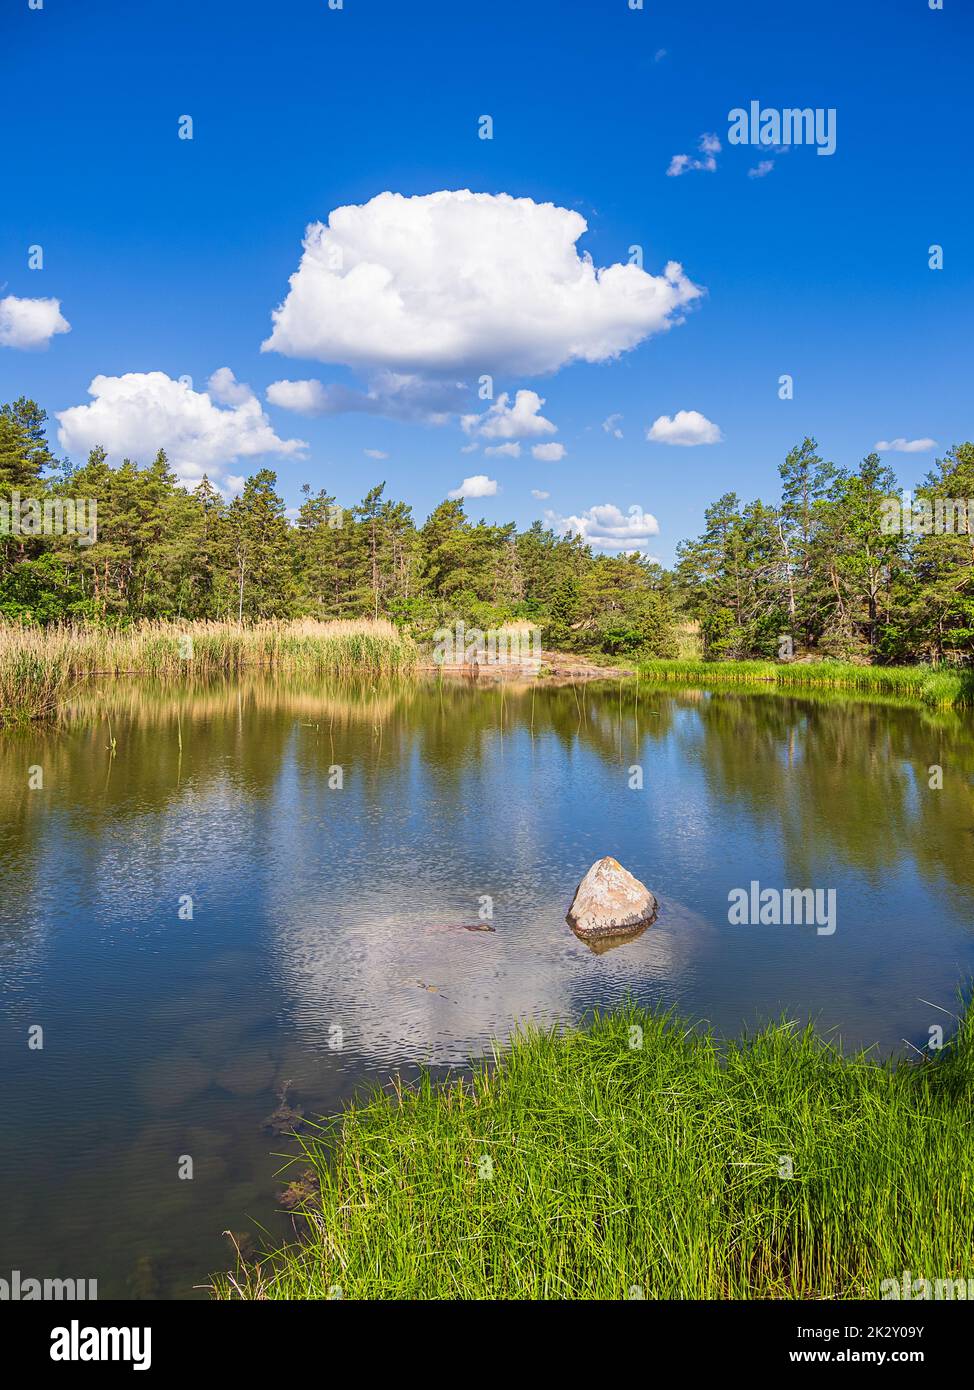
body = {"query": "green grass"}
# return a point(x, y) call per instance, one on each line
point(931, 685)
point(653, 1171)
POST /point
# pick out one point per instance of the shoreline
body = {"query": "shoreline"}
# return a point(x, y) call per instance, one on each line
point(923, 685)
point(41, 668)
point(521, 1179)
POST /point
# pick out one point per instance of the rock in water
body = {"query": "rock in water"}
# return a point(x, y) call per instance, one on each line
point(610, 902)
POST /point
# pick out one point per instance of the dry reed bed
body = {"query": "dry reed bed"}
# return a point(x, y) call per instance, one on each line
point(39, 667)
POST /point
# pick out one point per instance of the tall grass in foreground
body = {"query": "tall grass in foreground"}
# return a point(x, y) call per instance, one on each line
point(38, 665)
point(933, 685)
point(582, 1167)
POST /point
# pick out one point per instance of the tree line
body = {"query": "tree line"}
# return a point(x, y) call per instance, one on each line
point(842, 565)
point(820, 570)
point(166, 552)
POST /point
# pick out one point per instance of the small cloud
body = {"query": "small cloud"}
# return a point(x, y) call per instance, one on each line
point(608, 528)
point(303, 397)
point(30, 324)
point(905, 446)
point(375, 454)
point(477, 486)
point(761, 170)
point(548, 453)
point(511, 451)
point(502, 421)
point(659, 55)
point(470, 448)
point(539, 494)
point(611, 426)
point(686, 427)
point(224, 388)
point(397, 395)
point(709, 146)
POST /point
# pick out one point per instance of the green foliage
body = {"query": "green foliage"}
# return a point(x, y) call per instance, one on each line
point(163, 553)
point(933, 685)
point(824, 570)
point(820, 568)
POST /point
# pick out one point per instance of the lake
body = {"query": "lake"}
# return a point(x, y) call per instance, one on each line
point(205, 913)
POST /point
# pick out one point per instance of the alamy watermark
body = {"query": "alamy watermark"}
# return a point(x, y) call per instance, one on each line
point(768, 126)
point(50, 516)
point(775, 907)
point(910, 1286)
point(497, 646)
point(925, 516)
point(18, 1289)
point(77, 1343)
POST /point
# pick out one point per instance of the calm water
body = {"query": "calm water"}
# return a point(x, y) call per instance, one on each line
point(316, 909)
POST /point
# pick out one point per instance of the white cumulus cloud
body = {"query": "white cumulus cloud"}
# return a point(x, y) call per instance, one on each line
point(134, 415)
point(905, 446)
point(511, 451)
point(540, 494)
point(477, 486)
point(375, 453)
point(459, 281)
point(30, 323)
point(517, 421)
point(611, 426)
point(549, 453)
point(686, 427)
point(606, 527)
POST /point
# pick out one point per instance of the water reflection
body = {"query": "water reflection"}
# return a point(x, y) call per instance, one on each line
point(323, 947)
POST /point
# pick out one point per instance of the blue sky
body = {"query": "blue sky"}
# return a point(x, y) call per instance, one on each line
point(169, 255)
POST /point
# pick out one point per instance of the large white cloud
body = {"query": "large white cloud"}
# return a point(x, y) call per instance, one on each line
point(30, 323)
point(459, 281)
point(607, 528)
point(521, 420)
point(686, 427)
point(136, 414)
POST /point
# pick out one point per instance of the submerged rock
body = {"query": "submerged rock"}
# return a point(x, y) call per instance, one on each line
point(601, 945)
point(610, 902)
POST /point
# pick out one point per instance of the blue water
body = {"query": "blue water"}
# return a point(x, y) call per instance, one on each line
point(324, 947)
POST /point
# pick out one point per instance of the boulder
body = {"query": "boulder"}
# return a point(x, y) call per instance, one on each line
point(610, 902)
